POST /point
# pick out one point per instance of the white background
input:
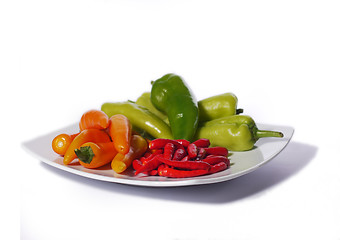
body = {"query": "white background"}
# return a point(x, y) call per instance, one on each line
point(281, 58)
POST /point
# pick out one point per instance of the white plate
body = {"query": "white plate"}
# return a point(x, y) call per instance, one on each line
point(241, 162)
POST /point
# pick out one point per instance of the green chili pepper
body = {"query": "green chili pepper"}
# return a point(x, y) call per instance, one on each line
point(140, 118)
point(145, 101)
point(170, 95)
point(236, 133)
point(218, 106)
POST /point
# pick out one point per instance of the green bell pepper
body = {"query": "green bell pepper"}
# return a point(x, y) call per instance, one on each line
point(236, 133)
point(171, 95)
point(140, 117)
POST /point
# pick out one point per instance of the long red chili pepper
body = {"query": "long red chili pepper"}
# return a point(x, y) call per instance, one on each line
point(217, 151)
point(161, 142)
point(201, 153)
point(193, 165)
point(179, 154)
point(149, 165)
point(216, 159)
point(218, 167)
point(169, 150)
point(202, 143)
point(174, 173)
point(192, 150)
point(183, 142)
point(136, 164)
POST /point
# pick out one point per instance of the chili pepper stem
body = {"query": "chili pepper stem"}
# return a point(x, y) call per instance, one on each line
point(239, 111)
point(266, 133)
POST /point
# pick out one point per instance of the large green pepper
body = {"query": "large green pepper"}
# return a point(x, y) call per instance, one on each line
point(236, 133)
point(170, 95)
point(218, 106)
point(140, 117)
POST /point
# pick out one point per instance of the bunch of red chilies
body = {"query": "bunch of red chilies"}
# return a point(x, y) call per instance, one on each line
point(181, 158)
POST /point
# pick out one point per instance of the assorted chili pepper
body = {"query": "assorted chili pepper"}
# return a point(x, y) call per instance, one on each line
point(123, 161)
point(166, 132)
point(94, 119)
point(87, 135)
point(120, 130)
point(61, 142)
point(94, 155)
point(177, 160)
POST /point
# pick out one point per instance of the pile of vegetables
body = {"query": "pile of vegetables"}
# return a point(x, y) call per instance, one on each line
point(165, 132)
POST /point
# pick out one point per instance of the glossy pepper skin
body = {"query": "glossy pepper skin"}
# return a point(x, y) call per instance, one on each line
point(236, 133)
point(218, 106)
point(171, 95)
point(140, 118)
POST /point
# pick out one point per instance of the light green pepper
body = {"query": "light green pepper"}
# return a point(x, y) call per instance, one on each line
point(140, 117)
point(236, 133)
point(218, 106)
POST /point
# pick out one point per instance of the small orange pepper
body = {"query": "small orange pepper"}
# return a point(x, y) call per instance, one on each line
point(61, 142)
point(94, 155)
point(87, 135)
point(94, 119)
point(137, 148)
point(120, 131)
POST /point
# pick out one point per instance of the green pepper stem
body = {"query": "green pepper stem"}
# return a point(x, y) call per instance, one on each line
point(84, 154)
point(239, 111)
point(266, 133)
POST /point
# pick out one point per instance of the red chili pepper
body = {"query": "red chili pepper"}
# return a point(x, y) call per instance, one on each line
point(218, 167)
point(161, 142)
point(136, 164)
point(186, 158)
point(149, 165)
point(202, 143)
point(153, 172)
point(192, 150)
point(217, 151)
point(148, 155)
point(174, 173)
point(160, 169)
point(192, 165)
point(212, 159)
point(179, 154)
point(184, 142)
point(201, 153)
point(169, 150)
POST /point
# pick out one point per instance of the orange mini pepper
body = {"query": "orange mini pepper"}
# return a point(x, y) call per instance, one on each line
point(94, 119)
point(61, 142)
point(120, 131)
point(94, 155)
point(137, 148)
point(87, 135)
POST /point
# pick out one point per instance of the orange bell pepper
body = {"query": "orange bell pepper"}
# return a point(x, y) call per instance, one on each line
point(94, 155)
point(120, 131)
point(87, 135)
point(61, 142)
point(94, 119)
point(137, 148)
